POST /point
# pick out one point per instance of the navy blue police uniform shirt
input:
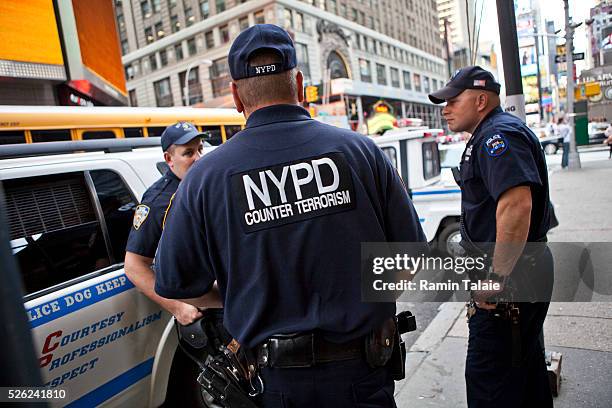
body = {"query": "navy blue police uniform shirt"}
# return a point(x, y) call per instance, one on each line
point(502, 153)
point(149, 216)
point(277, 215)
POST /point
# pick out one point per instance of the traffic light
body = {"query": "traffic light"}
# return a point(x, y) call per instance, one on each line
point(312, 93)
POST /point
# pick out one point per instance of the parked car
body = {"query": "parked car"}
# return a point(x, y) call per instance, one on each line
point(597, 132)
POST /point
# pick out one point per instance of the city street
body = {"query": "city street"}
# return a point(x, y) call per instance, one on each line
point(580, 331)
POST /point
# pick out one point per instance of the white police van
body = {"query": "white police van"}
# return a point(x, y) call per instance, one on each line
point(96, 336)
point(414, 153)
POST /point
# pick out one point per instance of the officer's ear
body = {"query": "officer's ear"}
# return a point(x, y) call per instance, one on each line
point(482, 101)
point(168, 157)
point(237, 101)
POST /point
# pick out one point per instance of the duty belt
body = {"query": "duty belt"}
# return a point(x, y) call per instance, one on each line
point(305, 350)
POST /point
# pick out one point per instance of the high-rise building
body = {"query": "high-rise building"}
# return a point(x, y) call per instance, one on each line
point(455, 13)
point(600, 34)
point(357, 51)
point(60, 53)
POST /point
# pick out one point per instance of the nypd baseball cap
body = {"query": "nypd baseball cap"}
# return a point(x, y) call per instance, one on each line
point(258, 37)
point(179, 134)
point(473, 77)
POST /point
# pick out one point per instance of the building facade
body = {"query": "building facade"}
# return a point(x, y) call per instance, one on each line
point(600, 34)
point(357, 52)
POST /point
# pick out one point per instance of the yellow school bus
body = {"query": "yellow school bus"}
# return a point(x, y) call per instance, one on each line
point(33, 124)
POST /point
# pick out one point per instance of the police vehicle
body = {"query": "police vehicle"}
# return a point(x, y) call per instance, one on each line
point(70, 207)
point(414, 153)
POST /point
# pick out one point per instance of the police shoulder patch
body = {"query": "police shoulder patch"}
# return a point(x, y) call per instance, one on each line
point(496, 145)
point(140, 215)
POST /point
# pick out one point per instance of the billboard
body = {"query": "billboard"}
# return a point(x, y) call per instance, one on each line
point(28, 32)
point(99, 42)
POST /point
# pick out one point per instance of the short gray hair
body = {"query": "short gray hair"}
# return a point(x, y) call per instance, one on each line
point(267, 89)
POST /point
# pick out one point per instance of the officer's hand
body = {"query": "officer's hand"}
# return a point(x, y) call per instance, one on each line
point(481, 296)
point(185, 313)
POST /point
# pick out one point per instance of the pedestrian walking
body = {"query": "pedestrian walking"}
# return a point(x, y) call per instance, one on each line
point(504, 199)
point(608, 141)
point(565, 132)
point(276, 216)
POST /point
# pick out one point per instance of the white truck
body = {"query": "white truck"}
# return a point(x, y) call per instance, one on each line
point(414, 153)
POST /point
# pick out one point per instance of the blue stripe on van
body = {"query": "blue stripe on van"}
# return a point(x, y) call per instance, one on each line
point(421, 193)
point(63, 309)
point(114, 386)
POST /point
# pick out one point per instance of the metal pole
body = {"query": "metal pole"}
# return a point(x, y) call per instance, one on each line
point(186, 88)
point(573, 158)
point(448, 56)
point(515, 100)
point(539, 82)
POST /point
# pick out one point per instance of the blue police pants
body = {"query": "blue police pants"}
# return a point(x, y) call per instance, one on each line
point(491, 380)
point(341, 384)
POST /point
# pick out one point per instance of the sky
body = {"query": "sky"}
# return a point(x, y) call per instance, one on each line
point(552, 10)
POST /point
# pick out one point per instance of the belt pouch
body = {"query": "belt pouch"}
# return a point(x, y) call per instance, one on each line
point(380, 343)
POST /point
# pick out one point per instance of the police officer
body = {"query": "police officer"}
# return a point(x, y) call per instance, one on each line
point(504, 187)
point(277, 215)
point(182, 147)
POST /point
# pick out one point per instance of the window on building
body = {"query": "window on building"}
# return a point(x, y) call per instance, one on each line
point(425, 84)
point(321, 4)
point(191, 46)
point(243, 22)
point(204, 9)
point(287, 23)
point(171, 3)
point(125, 48)
point(163, 58)
point(370, 21)
point(145, 8)
point(159, 30)
point(342, 10)
point(152, 62)
point(156, 6)
point(259, 17)
point(133, 100)
point(298, 21)
point(303, 60)
point(163, 92)
point(224, 34)
point(407, 80)
point(371, 48)
point(193, 84)
point(209, 39)
point(395, 80)
point(417, 82)
point(149, 38)
point(219, 77)
point(189, 17)
point(175, 24)
point(220, 4)
point(381, 74)
point(178, 52)
point(333, 6)
point(434, 85)
point(364, 70)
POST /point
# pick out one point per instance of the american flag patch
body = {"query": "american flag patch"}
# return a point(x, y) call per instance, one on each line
point(480, 82)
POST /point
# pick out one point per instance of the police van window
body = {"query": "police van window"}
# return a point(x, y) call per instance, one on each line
point(56, 135)
point(99, 134)
point(12, 137)
point(155, 131)
point(431, 160)
point(117, 205)
point(213, 135)
point(391, 154)
point(231, 131)
point(54, 232)
point(133, 132)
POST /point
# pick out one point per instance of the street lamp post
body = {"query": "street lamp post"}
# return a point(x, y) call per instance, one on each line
point(573, 157)
point(205, 62)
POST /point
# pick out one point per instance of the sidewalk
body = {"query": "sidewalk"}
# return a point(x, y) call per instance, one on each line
point(582, 332)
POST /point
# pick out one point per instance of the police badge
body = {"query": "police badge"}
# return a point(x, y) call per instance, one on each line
point(140, 215)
